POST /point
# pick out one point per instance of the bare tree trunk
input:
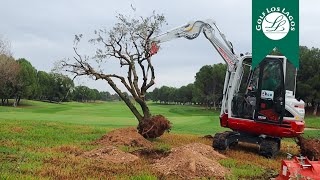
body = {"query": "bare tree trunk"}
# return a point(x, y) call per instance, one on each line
point(126, 100)
point(315, 109)
point(145, 110)
point(18, 102)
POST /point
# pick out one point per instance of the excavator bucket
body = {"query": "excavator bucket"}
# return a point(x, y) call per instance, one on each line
point(299, 168)
point(154, 49)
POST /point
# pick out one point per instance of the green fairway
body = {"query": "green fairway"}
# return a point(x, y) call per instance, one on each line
point(186, 119)
point(109, 115)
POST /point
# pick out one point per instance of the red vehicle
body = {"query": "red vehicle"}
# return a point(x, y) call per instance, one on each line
point(299, 168)
point(258, 104)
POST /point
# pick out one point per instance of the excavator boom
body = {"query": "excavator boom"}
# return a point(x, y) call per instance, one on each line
point(191, 31)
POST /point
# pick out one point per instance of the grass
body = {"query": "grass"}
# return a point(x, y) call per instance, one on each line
point(41, 140)
point(186, 119)
point(313, 122)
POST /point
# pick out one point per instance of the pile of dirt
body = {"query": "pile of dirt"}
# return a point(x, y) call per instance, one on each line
point(309, 148)
point(124, 137)
point(110, 154)
point(194, 160)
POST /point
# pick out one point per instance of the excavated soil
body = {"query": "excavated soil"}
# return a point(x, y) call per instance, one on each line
point(111, 154)
point(124, 137)
point(310, 148)
point(192, 161)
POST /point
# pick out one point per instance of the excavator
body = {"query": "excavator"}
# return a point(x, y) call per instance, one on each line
point(258, 103)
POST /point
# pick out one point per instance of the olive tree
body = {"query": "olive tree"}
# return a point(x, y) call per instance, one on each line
point(128, 43)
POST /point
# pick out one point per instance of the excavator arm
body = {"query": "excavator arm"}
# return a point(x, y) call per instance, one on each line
point(191, 31)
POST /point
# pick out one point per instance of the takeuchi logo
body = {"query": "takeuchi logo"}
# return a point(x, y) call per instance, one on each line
point(275, 23)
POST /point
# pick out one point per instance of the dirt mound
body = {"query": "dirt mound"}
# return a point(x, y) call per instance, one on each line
point(310, 148)
point(192, 161)
point(111, 154)
point(124, 137)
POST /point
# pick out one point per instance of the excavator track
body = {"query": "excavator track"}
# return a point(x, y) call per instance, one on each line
point(269, 147)
point(222, 141)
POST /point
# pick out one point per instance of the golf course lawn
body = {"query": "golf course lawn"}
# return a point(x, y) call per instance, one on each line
point(34, 133)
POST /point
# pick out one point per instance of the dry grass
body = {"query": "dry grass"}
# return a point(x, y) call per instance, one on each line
point(76, 167)
point(70, 165)
point(17, 129)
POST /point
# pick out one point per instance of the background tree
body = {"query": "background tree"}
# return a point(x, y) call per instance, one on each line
point(5, 47)
point(62, 85)
point(27, 80)
point(44, 85)
point(185, 94)
point(209, 84)
point(128, 43)
point(308, 80)
point(9, 70)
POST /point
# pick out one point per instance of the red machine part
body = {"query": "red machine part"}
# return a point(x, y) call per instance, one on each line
point(154, 49)
point(288, 128)
point(299, 168)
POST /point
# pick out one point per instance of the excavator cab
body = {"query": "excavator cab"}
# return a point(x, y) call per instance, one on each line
point(262, 91)
point(270, 103)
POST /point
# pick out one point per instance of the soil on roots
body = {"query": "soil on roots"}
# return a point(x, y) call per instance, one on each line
point(124, 137)
point(309, 148)
point(154, 127)
point(190, 161)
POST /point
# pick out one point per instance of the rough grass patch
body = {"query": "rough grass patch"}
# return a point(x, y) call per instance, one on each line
point(163, 147)
point(17, 129)
point(242, 169)
point(68, 149)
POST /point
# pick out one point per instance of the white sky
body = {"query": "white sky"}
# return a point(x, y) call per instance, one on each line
point(42, 31)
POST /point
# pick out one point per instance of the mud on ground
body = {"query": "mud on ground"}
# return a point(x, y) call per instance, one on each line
point(309, 147)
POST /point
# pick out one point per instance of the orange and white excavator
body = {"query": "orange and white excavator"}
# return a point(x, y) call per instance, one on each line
point(258, 104)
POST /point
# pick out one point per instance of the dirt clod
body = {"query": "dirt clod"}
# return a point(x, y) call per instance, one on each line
point(124, 137)
point(111, 154)
point(192, 161)
point(310, 147)
point(154, 127)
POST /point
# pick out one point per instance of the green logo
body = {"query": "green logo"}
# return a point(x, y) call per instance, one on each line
point(275, 25)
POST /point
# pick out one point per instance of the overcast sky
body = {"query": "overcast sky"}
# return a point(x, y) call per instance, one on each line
point(43, 31)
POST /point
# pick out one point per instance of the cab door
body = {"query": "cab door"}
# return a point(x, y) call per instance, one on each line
point(270, 104)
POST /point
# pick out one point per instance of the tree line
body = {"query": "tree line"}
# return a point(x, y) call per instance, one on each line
point(19, 79)
point(206, 89)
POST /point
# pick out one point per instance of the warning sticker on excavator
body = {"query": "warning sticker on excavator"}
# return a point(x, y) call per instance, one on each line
point(268, 95)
